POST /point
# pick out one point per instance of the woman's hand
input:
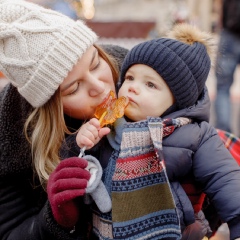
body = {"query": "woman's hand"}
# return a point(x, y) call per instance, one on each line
point(90, 133)
point(68, 181)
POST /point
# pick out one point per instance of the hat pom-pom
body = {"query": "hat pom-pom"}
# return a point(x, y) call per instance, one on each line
point(190, 34)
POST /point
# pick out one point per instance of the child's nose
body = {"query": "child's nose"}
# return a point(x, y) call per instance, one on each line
point(134, 88)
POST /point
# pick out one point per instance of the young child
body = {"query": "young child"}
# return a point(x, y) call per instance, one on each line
point(166, 118)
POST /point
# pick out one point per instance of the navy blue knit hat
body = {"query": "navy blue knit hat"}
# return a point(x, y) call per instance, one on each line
point(183, 62)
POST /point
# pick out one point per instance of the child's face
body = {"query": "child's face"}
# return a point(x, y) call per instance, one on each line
point(89, 82)
point(148, 93)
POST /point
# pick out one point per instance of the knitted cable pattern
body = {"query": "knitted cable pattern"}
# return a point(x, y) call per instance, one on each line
point(39, 47)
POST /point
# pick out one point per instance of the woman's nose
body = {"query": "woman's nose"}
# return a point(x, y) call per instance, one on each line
point(96, 86)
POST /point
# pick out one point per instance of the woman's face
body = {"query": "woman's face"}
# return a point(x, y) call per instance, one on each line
point(86, 85)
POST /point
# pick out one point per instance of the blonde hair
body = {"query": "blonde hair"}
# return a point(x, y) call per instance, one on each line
point(48, 130)
point(111, 61)
point(45, 129)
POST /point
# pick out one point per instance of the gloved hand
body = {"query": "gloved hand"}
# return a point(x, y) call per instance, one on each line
point(67, 182)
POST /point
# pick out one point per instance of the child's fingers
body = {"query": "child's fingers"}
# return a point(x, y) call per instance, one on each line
point(89, 130)
point(86, 135)
point(85, 142)
point(90, 133)
point(103, 131)
point(86, 138)
point(95, 122)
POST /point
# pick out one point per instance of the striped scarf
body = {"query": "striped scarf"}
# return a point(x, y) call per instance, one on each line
point(142, 203)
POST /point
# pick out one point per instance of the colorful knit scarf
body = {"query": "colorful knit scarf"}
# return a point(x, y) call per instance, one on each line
point(142, 203)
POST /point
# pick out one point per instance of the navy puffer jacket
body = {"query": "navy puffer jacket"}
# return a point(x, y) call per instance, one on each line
point(195, 150)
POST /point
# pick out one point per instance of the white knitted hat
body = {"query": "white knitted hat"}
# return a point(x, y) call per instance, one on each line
point(38, 47)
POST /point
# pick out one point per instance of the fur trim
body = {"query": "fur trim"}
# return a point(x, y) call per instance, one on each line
point(190, 34)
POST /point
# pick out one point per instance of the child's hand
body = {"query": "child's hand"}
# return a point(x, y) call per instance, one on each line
point(90, 133)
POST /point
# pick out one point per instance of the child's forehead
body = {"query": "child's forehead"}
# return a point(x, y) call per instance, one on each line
point(139, 67)
point(144, 71)
point(142, 68)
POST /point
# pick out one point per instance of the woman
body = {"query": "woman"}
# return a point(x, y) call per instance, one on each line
point(40, 50)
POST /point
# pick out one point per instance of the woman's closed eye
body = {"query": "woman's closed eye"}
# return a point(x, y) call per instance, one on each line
point(96, 63)
point(96, 66)
point(74, 89)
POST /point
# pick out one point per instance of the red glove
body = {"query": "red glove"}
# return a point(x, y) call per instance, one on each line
point(67, 182)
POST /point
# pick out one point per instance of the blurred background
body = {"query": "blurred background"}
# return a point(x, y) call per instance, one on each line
point(128, 22)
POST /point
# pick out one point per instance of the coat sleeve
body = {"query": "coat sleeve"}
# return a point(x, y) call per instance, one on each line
point(219, 174)
point(25, 212)
point(21, 218)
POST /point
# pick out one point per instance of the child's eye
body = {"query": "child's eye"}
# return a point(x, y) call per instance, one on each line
point(128, 77)
point(151, 85)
